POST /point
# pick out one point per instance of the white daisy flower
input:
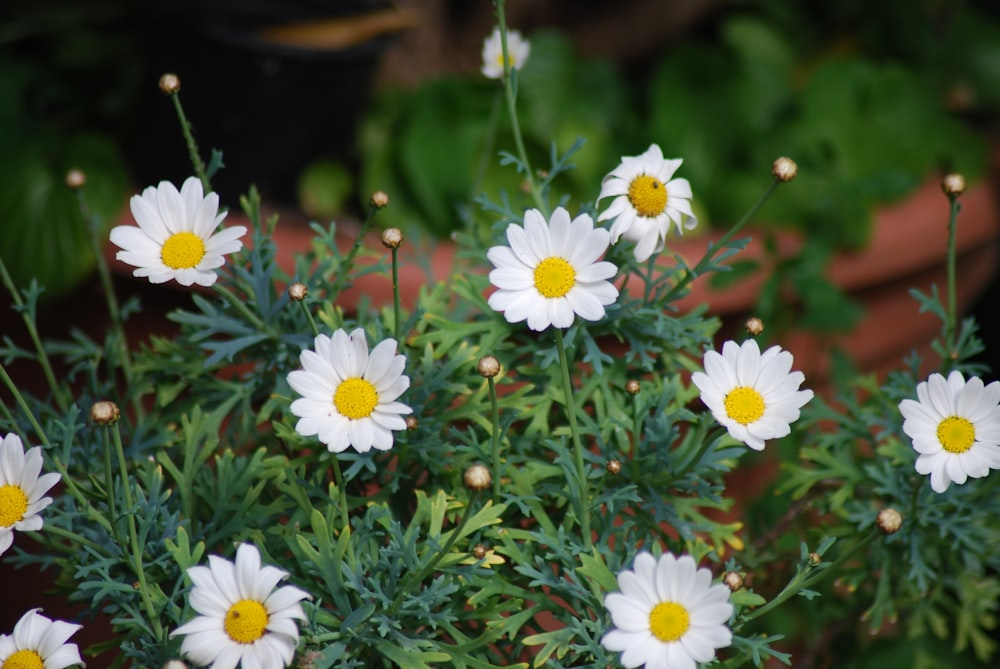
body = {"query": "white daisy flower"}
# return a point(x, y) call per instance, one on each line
point(244, 619)
point(348, 396)
point(550, 271)
point(955, 428)
point(518, 49)
point(176, 237)
point(647, 200)
point(668, 614)
point(21, 490)
point(38, 642)
point(754, 396)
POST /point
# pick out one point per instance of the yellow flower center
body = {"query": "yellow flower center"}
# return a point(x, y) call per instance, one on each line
point(554, 277)
point(648, 196)
point(956, 434)
point(744, 405)
point(183, 251)
point(668, 621)
point(23, 659)
point(246, 621)
point(13, 504)
point(355, 398)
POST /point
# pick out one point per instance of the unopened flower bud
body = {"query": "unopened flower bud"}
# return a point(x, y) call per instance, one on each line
point(170, 83)
point(380, 199)
point(754, 326)
point(477, 477)
point(632, 387)
point(488, 366)
point(105, 413)
point(784, 169)
point(815, 559)
point(733, 579)
point(392, 238)
point(953, 185)
point(614, 466)
point(298, 291)
point(76, 179)
point(412, 423)
point(889, 520)
point(479, 551)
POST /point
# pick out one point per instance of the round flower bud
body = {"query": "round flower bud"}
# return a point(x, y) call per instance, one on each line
point(784, 169)
point(76, 179)
point(170, 83)
point(889, 520)
point(733, 579)
point(632, 387)
point(754, 326)
point(479, 551)
point(614, 466)
point(477, 477)
point(953, 185)
point(380, 199)
point(298, 291)
point(815, 559)
point(105, 413)
point(488, 366)
point(412, 423)
point(392, 238)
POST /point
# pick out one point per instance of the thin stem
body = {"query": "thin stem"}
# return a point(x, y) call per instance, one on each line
point(693, 274)
point(73, 536)
point(29, 322)
point(345, 519)
point(312, 321)
point(581, 466)
point(495, 439)
point(192, 145)
point(241, 307)
point(511, 95)
point(92, 512)
point(345, 269)
point(395, 294)
point(109, 494)
point(951, 325)
point(21, 402)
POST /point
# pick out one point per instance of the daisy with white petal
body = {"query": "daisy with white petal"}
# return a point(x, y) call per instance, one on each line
point(176, 238)
point(348, 396)
point(21, 490)
point(518, 49)
point(668, 614)
point(955, 428)
point(551, 271)
point(38, 642)
point(647, 200)
point(244, 620)
point(755, 396)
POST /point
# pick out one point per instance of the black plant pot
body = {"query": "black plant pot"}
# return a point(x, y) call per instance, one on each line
point(271, 108)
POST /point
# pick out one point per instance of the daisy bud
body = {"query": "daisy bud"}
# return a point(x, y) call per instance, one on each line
point(170, 83)
point(479, 551)
point(488, 366)
point(309, 659)
point(889, 520)
point(754, 326)
point(614, 466)
point(632, 387)
point(380, 199)
point(784, 169)
point(815, 559)
point(105, 413)
point(733, 579)
point(953, 185)
point(477, 477)
point(298, 291)
point(412, 423)
point(76, 179)
point(392, 238)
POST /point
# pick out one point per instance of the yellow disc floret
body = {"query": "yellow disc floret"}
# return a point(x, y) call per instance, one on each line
point(355, 398)
point(246, 621)
point(648, 196)
point(183, 250)
point(23, 659)
point(744, 405)
point(668, 621)
point(956, 434)
point(13, 505)
point(554, 277)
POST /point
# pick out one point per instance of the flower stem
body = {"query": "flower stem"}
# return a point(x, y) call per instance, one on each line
point(312, 321)
point(495, 439)
point(21, 402)
point(345, 518)
point(951, 325)
point(345, 269)
point(395, 294)
point(581, 467)
point(192, 145)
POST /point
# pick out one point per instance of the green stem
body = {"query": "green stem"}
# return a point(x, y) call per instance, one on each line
point(21, 402)
point(345, 518)
point(9, 417)
point(511, 96)
point(29, 322)
point(581, 466)
point(241, 307)
point(192, 145)
point(55, 530)
point(495, 439)
point(312, 321)
point(92, 512)
point(951, 326)
point(109, 483)
point(345, 269)
point(395, 294)
point(693, 274)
